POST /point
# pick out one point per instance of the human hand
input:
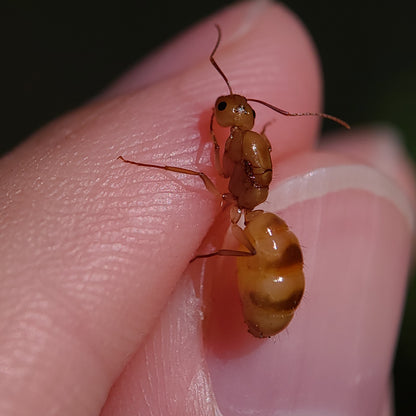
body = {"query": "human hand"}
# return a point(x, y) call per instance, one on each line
point(96, 253)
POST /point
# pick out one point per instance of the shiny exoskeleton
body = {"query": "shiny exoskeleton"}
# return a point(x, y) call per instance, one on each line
point(246, 160)
point(270, 282)
point(270, 263)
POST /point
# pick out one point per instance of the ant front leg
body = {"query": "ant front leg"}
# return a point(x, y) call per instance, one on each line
point(217, 161)
point(207, 181)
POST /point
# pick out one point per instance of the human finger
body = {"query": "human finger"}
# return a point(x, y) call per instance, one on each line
point(83, 236)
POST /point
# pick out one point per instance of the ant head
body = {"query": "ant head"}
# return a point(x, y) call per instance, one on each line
point(234, 111)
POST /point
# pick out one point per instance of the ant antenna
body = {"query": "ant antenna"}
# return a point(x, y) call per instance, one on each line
point(211, 58)
point(286, 113)
point(279, 110)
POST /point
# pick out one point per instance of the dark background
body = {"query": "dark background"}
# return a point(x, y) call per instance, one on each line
point(55, 55)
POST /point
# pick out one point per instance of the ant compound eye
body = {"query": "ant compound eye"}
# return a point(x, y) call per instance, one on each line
point(222, 106)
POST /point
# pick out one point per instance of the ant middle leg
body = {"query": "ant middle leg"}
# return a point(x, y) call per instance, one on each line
point(207, 181)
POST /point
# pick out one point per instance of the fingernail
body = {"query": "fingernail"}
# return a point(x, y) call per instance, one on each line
point(380, 146)
point(336, 355)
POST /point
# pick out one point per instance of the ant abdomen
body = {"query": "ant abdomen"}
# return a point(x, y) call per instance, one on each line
point(271, 282)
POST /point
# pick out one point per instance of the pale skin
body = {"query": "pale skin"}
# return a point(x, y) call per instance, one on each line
point(95, 254)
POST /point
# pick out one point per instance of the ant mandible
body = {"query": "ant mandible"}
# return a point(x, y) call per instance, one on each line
point(270, 268)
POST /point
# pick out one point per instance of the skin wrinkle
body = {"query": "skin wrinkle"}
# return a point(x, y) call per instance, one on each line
point(37, 328)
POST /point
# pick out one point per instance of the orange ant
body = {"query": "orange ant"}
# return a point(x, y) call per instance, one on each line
point(270, 274)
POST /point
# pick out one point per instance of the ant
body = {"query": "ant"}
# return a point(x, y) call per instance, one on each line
point(270, 268)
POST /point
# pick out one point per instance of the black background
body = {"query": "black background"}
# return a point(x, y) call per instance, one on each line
point(56, 55)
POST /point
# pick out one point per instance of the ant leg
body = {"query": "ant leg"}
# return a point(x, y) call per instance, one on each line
point(265, 127)
point(235, 214)
point(207, 181)
point(239, 234)
point(217, 161)
point(223, 252)
point(241, 237)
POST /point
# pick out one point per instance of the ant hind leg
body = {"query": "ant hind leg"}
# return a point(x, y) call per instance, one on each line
point(241, 237)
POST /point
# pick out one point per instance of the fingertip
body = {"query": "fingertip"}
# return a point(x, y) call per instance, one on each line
point(191, 47)
point(110, 219)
